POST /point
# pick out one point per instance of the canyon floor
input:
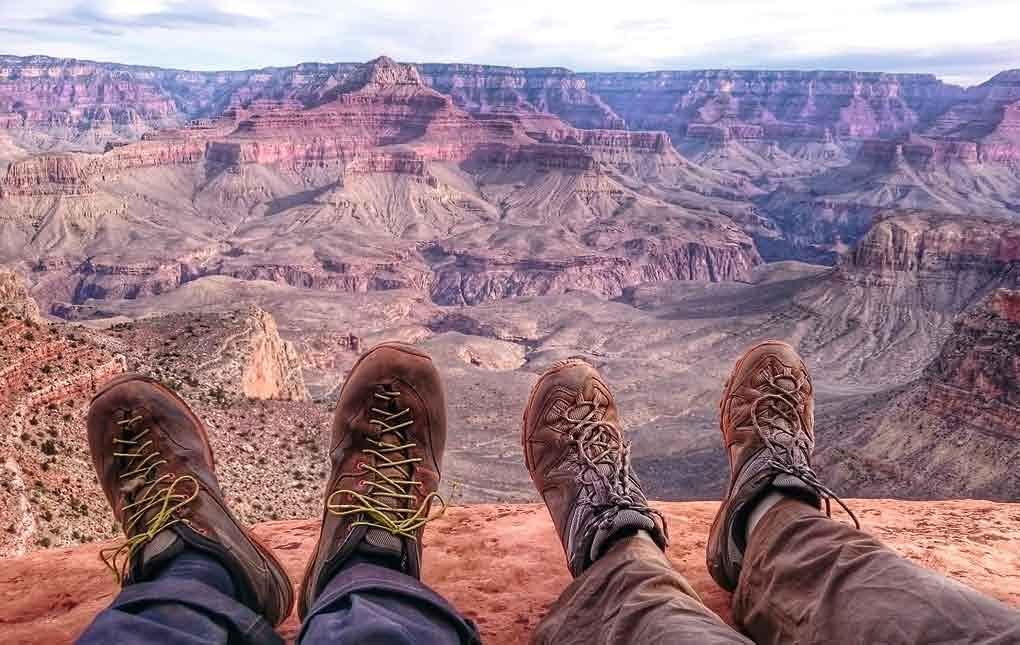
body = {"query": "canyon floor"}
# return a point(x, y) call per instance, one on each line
point(502, 565)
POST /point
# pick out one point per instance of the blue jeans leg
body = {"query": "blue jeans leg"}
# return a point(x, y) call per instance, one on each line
point(190, 602)
point(370, 604)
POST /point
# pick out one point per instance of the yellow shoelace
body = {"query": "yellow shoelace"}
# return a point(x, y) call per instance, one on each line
point(160, 493)
point(393, 480)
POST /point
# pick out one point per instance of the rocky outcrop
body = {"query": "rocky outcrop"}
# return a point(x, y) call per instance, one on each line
point(943, 261)
point(273, 367)
point(469, 277)
point(98, 279)
point(391, 161)
point(154, 152)
point(503, 565)
point(45, 175)
point(927, 154)
point(975, 381)
point(382, 103)
point(225, 358)
point(919, 242)
point(46, 373)
point(15, 299)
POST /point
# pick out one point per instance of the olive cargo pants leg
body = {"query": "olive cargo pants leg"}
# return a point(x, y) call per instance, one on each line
point(808, 579)
point(632, 594)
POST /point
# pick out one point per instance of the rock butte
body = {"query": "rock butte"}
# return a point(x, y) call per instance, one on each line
point(503, 565)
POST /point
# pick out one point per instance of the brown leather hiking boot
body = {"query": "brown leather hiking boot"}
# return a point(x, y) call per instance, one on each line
point(389, 433)
point(155, 465)
point(580, 463)
point(767, 418)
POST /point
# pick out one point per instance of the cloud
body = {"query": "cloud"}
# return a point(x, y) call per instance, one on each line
point(925, 5)
point(107, 31)
point(954, 60)
point(17, 31)
point(966, 40)
point(176, 15)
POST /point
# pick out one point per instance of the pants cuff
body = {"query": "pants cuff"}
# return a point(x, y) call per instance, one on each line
point(242, 621)
point(364, 577)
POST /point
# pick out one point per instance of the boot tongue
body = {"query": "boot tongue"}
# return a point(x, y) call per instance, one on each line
point(626, 519)
point(162, 548)
point(380, 543)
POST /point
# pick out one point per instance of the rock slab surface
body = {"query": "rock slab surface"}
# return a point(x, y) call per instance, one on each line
point(502, 564)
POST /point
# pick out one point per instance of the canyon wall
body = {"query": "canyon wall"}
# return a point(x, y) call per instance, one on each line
point(975, 381)
point(470, 277)
point(699, 105)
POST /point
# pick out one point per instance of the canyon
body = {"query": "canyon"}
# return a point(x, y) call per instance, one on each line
point(243, 235)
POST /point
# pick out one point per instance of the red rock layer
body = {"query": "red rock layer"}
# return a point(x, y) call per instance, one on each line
point(384, 105)
point(927, 153)
point(1005, 303)
point(713, 105)
point(42, 92)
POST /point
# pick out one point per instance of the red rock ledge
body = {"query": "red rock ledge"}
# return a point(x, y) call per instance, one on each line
point(502, 565)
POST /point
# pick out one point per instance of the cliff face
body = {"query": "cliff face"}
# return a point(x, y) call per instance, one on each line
point(975, 381)
point(940, 262)
point(713, 105)
point(989, 115)
point(503, 565)
point(921, 242)
point(45, 373)
point(72, 98)
point(470, 276)
point(45, 175)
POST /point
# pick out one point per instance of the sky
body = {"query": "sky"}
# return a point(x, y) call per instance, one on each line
point(961, 41)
